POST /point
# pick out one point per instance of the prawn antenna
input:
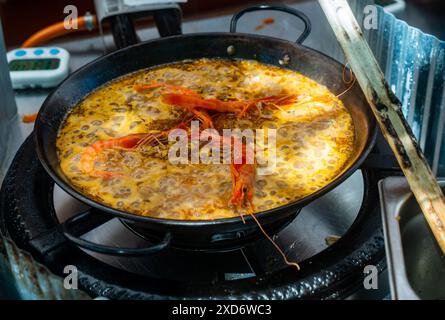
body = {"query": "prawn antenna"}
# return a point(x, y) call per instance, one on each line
point(289, 263)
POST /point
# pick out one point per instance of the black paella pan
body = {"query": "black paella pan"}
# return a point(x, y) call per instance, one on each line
point(221, 234)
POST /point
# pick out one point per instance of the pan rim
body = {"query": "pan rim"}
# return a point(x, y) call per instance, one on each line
point(72, 191)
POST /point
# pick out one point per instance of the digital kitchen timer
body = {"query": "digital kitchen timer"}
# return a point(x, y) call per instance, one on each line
point(43, 67)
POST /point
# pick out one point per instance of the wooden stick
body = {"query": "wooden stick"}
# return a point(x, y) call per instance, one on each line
point(388, 112)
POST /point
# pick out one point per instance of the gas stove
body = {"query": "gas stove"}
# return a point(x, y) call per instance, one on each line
point(334, 238)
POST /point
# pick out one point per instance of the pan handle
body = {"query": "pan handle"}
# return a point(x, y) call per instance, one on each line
point(295, 12)
point(115, 251)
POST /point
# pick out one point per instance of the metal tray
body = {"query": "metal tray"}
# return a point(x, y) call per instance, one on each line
point(416, 266)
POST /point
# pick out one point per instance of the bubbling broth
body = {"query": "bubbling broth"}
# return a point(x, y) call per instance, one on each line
point(314, 138)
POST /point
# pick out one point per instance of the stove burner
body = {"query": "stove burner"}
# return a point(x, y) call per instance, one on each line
point(32, 209)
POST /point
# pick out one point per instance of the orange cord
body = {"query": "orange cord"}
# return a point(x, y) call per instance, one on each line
point(57, 30)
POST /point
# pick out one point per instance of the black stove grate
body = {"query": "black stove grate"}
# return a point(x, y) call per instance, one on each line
point(28, 217)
